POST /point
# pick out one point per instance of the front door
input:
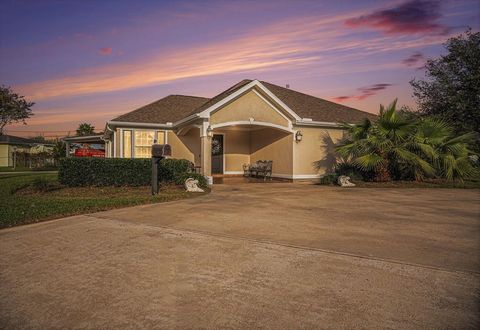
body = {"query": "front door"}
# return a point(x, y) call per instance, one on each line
point(217, 154)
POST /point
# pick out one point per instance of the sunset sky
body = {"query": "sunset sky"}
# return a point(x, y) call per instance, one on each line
point(89, 61)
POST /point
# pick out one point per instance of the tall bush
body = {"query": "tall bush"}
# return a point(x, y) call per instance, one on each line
point(401, 147)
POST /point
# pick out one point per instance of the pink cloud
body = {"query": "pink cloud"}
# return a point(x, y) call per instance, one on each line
point(409, 17)
point(289, 43)
point(106, 51)
point(342, 98)
point(365, 92)
point(414, 59)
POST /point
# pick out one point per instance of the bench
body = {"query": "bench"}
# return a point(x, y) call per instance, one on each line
point(261, 168)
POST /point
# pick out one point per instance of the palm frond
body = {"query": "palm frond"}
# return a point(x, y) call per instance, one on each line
point(369, 161)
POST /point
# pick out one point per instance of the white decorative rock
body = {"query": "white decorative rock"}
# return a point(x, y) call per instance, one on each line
point(344, 181)
point(191, 185)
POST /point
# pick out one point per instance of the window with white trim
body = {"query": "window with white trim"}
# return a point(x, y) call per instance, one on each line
point(138, 143)
point(143, 143)
point(127, 144)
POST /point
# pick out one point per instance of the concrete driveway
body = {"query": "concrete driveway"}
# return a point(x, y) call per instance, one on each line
point(273, 256)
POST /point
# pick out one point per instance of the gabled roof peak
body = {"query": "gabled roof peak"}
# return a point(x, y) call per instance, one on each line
point(176, 107)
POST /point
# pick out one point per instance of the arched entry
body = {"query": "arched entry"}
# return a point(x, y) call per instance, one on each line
point(244, 142)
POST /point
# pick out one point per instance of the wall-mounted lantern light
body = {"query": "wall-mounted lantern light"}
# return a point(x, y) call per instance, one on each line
point(209, 131)
point(298, 136)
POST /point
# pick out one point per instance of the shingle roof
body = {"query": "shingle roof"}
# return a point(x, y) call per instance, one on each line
point(176, 107)
point(169, 109)
point(10, 139)
point(307, 106)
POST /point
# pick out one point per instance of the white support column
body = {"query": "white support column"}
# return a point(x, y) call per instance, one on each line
point(114, 143)
point(206, 152)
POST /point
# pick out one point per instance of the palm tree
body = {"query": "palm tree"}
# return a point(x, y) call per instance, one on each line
point(449, 154)
point(85, 129)
point(383, 146)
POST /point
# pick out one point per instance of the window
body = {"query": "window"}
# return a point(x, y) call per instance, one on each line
point(127, 144)
point(143, 143)
point(138, 143)
point(160, 137)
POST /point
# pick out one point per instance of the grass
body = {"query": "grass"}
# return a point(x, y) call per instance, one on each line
point(24, 200)
point(27, 169)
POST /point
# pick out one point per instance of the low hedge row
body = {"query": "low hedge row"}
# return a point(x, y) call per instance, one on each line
point(75, 171)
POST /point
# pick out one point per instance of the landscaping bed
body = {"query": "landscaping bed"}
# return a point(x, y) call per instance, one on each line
point(473, 183)
point(420, 184)
point(35, 197)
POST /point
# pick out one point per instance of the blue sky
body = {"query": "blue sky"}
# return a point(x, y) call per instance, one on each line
point(92, 60)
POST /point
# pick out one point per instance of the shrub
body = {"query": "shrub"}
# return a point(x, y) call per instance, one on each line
point(328, 179)
point(180, 179)
point(170, 168)
point(75, 171)
point(400, 147)
point(353, 172)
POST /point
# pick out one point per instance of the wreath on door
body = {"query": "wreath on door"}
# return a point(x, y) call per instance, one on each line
point(216, 147)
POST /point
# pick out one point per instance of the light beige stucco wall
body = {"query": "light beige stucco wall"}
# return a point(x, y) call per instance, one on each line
point(4, 155)
point(236, 149)
point(275, 145)
point(315, 149)
point(247, 106)
point(186, 146)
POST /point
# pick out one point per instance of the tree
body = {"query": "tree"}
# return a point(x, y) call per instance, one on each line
point(85, 129)
point(59, 149)
point(13, 108)
point(39, 138)
point(451, 90)
point(398, 146)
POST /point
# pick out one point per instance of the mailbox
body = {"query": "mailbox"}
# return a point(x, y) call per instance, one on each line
point(161, 150)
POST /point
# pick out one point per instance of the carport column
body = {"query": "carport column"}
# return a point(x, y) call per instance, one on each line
point(206, 152)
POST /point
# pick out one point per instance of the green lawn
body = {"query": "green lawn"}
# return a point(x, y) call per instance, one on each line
point(26, 169)
point(22, 204)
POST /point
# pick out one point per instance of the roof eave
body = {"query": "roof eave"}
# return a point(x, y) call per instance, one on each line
point(113, 123)
point(314, 123)
point(188, 119)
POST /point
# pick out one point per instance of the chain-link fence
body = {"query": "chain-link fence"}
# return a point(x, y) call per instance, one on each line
point(29, 160)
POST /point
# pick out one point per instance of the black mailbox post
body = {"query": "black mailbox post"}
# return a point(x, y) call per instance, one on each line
point(159, 152)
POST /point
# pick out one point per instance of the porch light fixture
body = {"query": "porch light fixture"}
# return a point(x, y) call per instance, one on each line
point(298, 136)
point(209, 131)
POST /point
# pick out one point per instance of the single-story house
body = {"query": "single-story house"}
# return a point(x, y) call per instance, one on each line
point(10, 145)
point(252, 120)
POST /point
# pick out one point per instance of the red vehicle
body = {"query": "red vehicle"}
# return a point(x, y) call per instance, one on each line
point(87, 152)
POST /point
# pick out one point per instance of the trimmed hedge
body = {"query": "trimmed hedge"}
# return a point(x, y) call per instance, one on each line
point(81, 171)
point(170, 168)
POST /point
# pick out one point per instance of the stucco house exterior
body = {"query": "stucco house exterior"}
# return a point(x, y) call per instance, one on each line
point(9, 145)
point(252, 120)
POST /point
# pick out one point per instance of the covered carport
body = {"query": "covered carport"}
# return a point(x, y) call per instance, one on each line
point(86, 140)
